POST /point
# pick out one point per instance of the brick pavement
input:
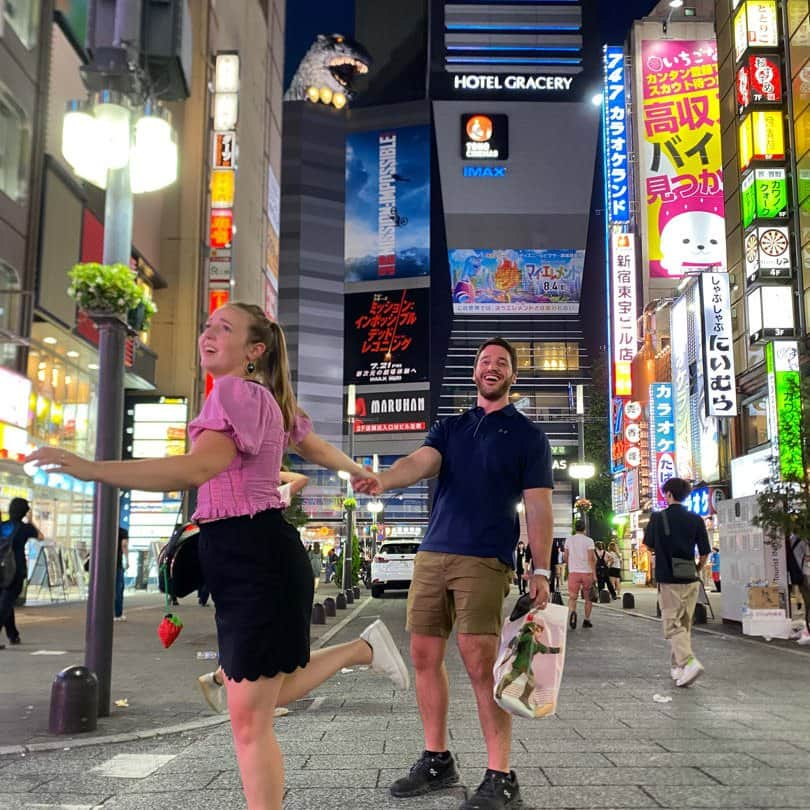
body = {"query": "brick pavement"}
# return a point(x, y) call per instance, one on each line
point(739, 738)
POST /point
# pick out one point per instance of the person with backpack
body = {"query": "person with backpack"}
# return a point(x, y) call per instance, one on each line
point(14, 535)
point(603, 570)
point(251, 559)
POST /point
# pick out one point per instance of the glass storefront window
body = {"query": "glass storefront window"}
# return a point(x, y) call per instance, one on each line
point(755, 421)
point(15, 147)
point(524, 354)
point(556, 356)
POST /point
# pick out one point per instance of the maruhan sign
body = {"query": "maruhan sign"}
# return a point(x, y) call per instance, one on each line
point(520, 83)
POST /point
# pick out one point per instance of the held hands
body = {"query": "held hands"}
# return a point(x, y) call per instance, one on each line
point(52, 459)
point(368, 483)
point(539, 590)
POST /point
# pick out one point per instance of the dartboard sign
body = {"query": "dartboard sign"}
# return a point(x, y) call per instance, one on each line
point(767, 252)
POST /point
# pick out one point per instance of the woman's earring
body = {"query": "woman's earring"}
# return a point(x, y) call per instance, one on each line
point(251, 367)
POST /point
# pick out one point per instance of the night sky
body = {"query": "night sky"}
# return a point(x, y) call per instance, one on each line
point(307, 19)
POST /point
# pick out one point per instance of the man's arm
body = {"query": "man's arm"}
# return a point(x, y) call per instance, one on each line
point(540, 529)
point(704, 547)
point(422, 463)
point(592, 560)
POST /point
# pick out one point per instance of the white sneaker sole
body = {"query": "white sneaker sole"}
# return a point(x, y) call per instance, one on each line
point(690, 680)
point(390, 650)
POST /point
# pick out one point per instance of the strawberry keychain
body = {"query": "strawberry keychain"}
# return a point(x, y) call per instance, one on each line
point(169, 629)
point(170, 626)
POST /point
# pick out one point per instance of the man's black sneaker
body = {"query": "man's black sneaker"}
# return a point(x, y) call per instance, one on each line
point(587, 623)
point(496, 791)
point(428, 773)
point(572, 620)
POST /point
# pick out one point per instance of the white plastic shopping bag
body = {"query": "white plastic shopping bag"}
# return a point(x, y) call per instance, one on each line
point(530, 662)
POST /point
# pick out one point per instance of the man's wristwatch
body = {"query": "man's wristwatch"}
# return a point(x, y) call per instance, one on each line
point(541, 572)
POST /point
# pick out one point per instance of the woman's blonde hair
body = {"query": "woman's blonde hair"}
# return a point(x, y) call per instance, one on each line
point(273, 367)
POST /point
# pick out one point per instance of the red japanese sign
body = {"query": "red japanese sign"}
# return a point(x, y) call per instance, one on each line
point(221, 230)
point(759, 80)
point(386, 337)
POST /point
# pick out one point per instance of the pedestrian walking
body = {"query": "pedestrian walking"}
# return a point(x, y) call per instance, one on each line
point(252, 560)
point(672, 535)
point(714, 562)
point(15, 533)
point(520, 563)
point(603, 570)
point(486, 460)
point(121, 565)
point(615, 569)
point(799, 573)
point(331, 562)
point(580, 557)
point(316, 563)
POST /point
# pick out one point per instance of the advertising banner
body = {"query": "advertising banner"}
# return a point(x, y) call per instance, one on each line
point(679, 341)
point(392, 412)
point(718, 354)
point(755, 24)
point(682, 170)
point(785, 406)
point(616, 151)
point(759, 80)
point(623, 294)
point(763, 193)
point(386, 337)
point(387, 204)
point(767, 253)
point(516, 280)
point(662, 441)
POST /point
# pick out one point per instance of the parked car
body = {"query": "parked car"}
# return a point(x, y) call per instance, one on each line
point(392, 566)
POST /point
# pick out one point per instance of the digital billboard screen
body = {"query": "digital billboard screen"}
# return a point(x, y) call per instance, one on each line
point(516, 280)
point(386, 339)
point(387, 231)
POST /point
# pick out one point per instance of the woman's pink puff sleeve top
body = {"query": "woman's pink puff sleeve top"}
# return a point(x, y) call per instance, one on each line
point(249, 414)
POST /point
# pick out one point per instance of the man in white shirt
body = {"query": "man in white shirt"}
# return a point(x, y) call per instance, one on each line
point(580, 557)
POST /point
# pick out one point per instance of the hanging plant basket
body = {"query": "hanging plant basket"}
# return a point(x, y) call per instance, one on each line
point(111, 289)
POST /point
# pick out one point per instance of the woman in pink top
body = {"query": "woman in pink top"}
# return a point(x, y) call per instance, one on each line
point(252, 560)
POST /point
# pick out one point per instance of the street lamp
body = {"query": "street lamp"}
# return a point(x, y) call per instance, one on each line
point(351, 414)
point(123, 143)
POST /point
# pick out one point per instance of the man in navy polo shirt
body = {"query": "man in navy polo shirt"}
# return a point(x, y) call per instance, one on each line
point(487, 460)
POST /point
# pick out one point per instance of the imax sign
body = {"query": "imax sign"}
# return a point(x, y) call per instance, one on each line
point(484, 171)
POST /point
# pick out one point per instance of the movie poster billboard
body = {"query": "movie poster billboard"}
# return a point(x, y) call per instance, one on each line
point(681, 163)
point(387, 337)
point(516, 280)
point(387, 231)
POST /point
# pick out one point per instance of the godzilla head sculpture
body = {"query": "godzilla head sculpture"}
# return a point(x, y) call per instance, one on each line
point(333, 62)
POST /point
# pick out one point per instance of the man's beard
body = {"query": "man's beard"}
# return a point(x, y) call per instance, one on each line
point(496, 393)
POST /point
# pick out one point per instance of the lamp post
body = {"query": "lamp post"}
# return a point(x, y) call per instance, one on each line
point(123, 143)
point(351, 414)
point(581, 471)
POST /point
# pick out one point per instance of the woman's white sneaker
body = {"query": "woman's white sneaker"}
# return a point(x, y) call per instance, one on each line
point(215, 694)
point(385, 655)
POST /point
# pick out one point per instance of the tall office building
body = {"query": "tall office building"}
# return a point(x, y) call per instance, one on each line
point(469, 174)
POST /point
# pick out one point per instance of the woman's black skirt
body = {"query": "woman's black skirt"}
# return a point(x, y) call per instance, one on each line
point(260, 578)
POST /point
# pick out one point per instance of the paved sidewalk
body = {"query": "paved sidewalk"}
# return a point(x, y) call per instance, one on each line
point(159, 685)
point(739, 738)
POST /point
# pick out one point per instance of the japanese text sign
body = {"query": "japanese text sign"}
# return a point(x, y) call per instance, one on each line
point(758, 80)
point(224, 150)
point(386, 337)
point(662, 438)
point(785, 406)
point(755, 25)
point(221, 228)
point(679, 342)
point(623, 295)
point(718, 354)
point(767, 253)
point(761, 137)
point(763, 195)
point(617, 178)
point(682, 169)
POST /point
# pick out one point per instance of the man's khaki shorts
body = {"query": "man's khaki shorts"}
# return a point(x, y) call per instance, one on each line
point(450, 589)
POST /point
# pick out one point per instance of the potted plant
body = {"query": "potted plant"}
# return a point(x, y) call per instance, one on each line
point(111, 289)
